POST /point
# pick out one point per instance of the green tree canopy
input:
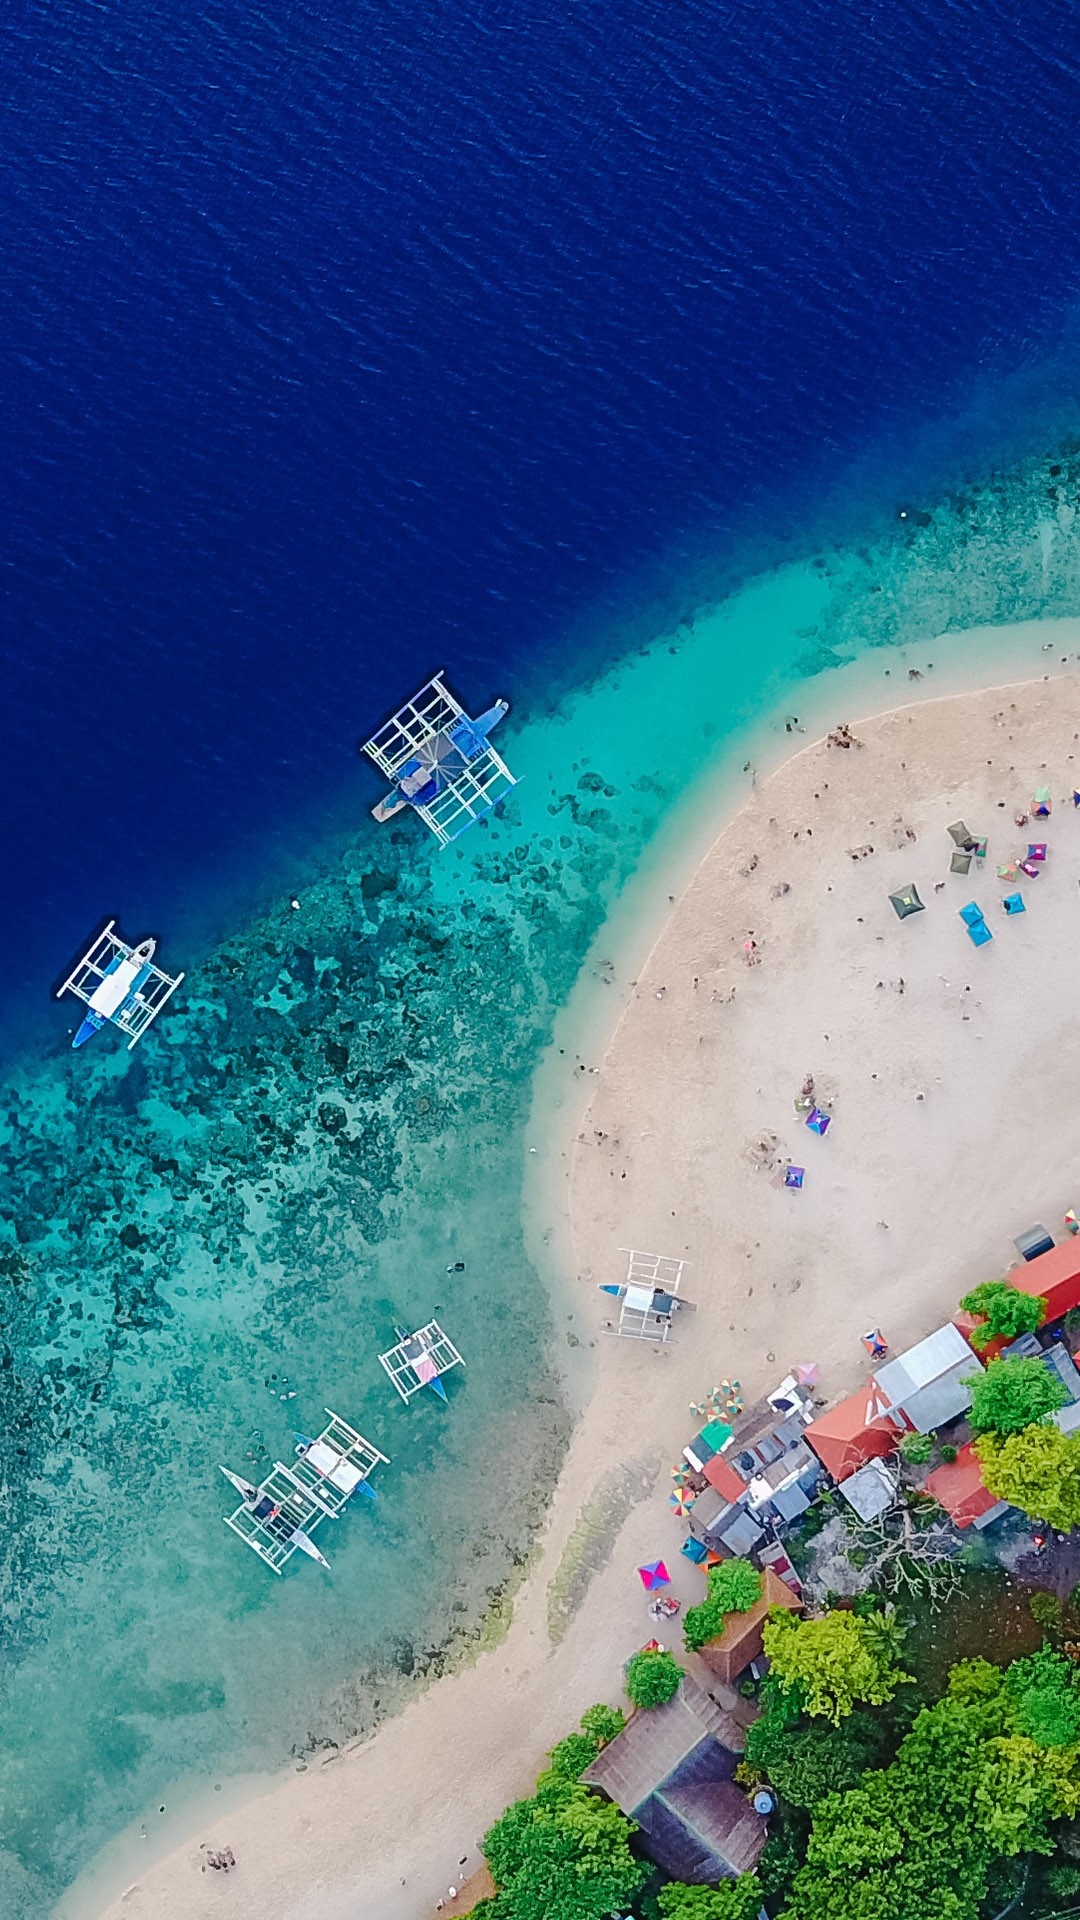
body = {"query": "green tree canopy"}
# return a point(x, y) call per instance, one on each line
point(564, 1855)
point(603, 1723)
point(652, 1678)
point(837, 1662)
point(1014, 1394)
point(1037, 1470)
point(1045, 1696)
point(916, 1840)
point(804, 1763)
point(1008, 1312)
point(733, 1587)
point(738, 1899)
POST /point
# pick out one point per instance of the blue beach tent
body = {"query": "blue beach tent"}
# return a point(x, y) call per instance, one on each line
point(1014, 903)
point(979, 933)
point(972, 914)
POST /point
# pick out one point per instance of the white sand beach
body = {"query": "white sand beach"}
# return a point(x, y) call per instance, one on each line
point(951, 1077)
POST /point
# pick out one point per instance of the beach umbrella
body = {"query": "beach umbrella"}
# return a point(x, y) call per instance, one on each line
point(680, 1505)
point(807, 1374)
point(906, 900)
point(654, 1574)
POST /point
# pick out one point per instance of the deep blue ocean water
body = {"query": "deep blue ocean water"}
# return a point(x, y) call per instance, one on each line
point(344, 341)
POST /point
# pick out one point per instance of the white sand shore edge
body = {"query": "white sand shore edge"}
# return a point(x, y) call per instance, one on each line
point(685, 1083)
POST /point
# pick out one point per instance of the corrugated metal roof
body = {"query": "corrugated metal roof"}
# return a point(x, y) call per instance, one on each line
point(927, 1361)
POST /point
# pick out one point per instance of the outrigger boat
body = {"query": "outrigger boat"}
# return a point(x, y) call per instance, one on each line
point(120, 984)
point(420, 1359)
point(649, 1296)
point(278, 1517)
point(440, 762)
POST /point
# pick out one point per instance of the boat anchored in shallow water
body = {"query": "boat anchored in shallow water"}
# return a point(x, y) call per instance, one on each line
point(278, 1517)
point(120, 985)
point(420, 1359)
point(440, 761)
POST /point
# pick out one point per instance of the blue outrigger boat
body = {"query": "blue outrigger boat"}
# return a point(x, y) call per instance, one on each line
point(118, 984)
point(441, 762)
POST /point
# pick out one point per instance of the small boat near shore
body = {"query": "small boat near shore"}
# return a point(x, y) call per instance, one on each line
point(420, 1359)
point(440, 761)
point(278, 1517)
point(118, 984)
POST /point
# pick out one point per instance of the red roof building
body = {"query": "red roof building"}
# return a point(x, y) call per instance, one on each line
point(723, 1477)
point(958, 1487)
point(1053, 1277)
point(850, 1434)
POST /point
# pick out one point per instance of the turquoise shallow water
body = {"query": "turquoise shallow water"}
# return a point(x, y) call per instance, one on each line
point(331, 1117)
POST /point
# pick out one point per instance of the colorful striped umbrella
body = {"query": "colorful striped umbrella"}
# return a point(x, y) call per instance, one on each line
point(680, 1504)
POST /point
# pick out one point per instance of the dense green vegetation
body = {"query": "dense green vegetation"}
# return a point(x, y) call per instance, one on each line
point(840, 1661)
point(1014, 1394)
point(1037, 1470)
point(1007, 1313)
point(733, 1587)
point(652, 1679)
point(565, 1853)
point(735, 1900)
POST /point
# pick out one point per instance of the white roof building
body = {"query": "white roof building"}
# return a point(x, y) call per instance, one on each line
point(924, 1385)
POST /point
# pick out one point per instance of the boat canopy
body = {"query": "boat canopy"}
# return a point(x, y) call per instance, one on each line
point(420, 1359)
point(120, 983)
point(440, 761)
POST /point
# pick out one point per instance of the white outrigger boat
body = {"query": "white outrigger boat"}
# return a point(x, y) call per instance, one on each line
point(420, 1359)
point(278, 1517)
point(120, 984)
point(440, 761)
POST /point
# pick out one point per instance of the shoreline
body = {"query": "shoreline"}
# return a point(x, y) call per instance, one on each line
point(535, 1687)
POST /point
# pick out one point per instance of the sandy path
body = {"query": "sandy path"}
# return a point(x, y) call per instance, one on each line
point(703, 1066)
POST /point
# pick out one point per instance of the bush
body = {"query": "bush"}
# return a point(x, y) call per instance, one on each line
point(804, 1763)
point(603, 1723)
point(733, 1587)
point(916, 1448)
point(1044, 1609)
point(1007, 1312)
point(571, 1756)
point(948, 1454)
point(652, 1679)
point(733, 1900)
point(1014, 1394)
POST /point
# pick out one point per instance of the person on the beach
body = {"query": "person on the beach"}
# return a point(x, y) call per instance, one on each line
point(875, 1344)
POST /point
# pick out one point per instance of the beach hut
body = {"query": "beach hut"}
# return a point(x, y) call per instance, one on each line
point(906, 900)
point(670, 1770)
point(958, 1486)
point(926, 1387)
point(871, 1491)
point(851, 1433)
point(732, 1651)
